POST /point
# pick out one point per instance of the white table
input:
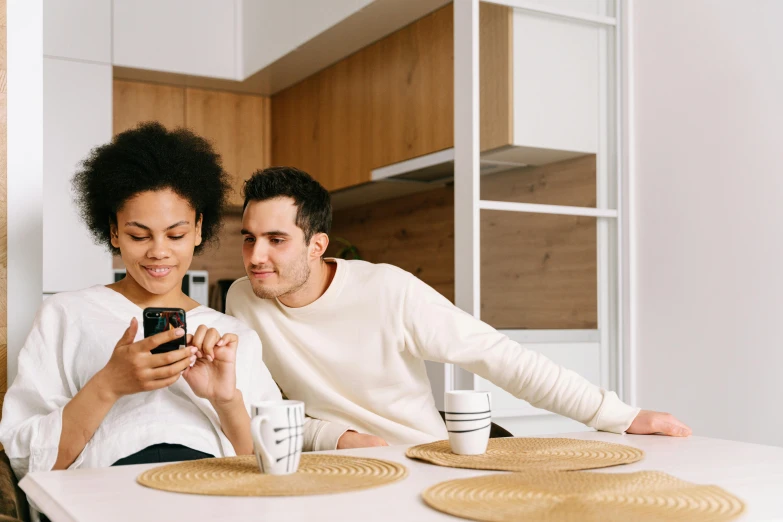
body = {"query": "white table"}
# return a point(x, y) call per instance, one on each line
point(752, 472)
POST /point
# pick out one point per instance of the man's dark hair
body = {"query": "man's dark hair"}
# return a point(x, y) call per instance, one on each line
point(312, 200)
point(151, 158)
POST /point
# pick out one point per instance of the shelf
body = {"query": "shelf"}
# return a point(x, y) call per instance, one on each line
point(436, 170)
point(372, 192)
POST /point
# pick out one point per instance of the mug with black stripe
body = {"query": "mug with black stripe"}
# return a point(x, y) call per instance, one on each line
point(277, 428)
point(468, 420)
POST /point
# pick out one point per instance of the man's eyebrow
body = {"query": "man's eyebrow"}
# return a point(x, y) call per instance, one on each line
point(246, 232)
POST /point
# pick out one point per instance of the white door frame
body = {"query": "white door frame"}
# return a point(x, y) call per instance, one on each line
point(24, 171)
point(612, 211)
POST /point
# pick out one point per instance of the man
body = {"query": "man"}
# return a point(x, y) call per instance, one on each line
point(349, 338)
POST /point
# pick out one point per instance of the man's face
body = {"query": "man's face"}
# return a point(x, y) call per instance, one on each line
point(274, 251)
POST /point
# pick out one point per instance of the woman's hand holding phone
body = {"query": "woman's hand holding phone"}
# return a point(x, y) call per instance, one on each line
point(132, 367)
point(213, 376)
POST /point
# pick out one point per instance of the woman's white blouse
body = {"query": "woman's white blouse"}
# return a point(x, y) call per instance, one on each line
point(73, 337)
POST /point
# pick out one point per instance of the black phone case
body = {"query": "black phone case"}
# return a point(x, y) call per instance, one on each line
point(158, 320)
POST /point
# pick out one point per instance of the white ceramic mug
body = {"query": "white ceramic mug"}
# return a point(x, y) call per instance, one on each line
point(468, 420)
point(277, 428)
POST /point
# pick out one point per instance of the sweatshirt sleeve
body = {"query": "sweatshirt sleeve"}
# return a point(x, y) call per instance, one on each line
point(32, 412)
point(320, 435)
point(437, 330)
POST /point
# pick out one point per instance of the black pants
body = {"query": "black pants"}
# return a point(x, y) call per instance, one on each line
point(157, 453)
point(162, 453)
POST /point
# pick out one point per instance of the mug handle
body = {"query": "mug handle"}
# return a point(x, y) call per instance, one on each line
point(258, 444)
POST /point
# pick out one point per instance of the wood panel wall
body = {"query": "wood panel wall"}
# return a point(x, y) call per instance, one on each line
point(3, 210)
point(392, 101)
point(238, 125)
point(135, 102)
point(538, 271)
point(415, 233)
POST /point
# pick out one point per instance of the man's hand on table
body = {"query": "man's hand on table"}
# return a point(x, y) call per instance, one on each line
point(352, 439)
point(656, 423)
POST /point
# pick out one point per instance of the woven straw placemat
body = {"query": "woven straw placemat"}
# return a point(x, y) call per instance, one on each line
point(553, 496)
point(240, 477)
point(521, 454)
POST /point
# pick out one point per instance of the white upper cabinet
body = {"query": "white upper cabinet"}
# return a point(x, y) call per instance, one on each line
point(78, 29)
point(194, 37)
point(587, 7)
point(556, 89)
point(558, 81)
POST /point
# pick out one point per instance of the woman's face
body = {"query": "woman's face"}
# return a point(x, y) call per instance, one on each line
point(156, 233)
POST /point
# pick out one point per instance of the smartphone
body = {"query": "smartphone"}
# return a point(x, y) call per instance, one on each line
point(157, 320)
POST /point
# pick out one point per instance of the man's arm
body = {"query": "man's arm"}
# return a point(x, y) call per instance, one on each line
point(437, 330)
point(354, 439)
point(321, 435)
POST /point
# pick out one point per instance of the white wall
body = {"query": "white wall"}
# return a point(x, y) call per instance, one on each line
point(25, 170)
point(77, 98)
point(77, 118)
point(58, 109)
point(708, 169)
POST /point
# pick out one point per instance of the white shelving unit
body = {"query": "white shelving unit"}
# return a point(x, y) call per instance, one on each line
point(594, 353)
point(553, 121)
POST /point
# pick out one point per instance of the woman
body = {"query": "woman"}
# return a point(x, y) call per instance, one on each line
point(89, 392)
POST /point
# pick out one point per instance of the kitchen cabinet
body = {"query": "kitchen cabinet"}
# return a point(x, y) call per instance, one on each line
point(239, 128)
point(559, 111)
point(272, 29)
point(393, 101)
point(78, 30)
point(194, 37)
point(390, 101)
point(135, 102)
point(77, 118)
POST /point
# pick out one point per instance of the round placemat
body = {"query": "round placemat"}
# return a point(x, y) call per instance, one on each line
point(520, 454)
point(239, 476)
point(552, 496)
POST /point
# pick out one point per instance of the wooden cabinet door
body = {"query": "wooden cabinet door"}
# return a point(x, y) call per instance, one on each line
point(392, 101)
point(389, 102)
point(135, 102)
point(239, 128)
